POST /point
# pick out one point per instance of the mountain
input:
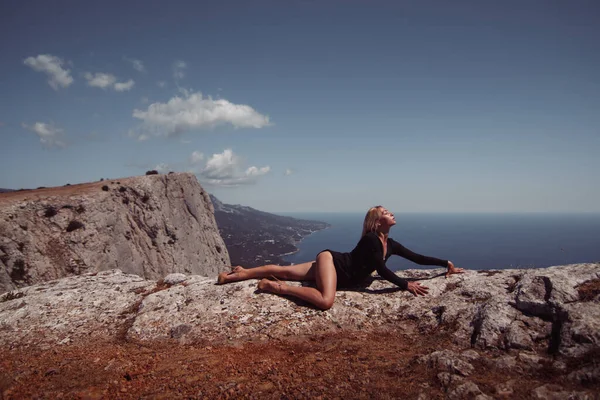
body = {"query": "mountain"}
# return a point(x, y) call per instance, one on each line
point(5, 190)
point(256, 237)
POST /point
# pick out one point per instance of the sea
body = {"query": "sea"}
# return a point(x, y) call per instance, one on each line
point(472, 241)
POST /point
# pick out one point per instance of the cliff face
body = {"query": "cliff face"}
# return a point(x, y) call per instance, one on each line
point(148, 225)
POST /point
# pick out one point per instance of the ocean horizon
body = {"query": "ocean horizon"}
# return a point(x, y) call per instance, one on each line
point(470, 240)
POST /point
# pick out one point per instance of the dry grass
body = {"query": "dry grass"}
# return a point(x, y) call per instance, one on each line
point(379, 364)
point(588, 291)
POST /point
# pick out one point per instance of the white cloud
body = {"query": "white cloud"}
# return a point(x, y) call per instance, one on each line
point(225, 169)
point(161, 167)
point(221, 166)
point(196, 157)
point(100, 79)
point(124, 86)
point(179, 69)
point(161, 84)
point(253, 171)
point(288, 172)
point(138, 65)
point(144, 100)
point(53, 67)
point(104, 81)
point(194, 111)
point(48, 134)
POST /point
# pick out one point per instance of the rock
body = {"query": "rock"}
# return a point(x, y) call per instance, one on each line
point(447, 361)
point(470, 355)
point(518, 337)
point(531, 361)
point(532, 296)
point(448, 380)
point(559, 365)
point(174, 279)
point(580, 329)
point(75, 308)
point(552, 392)
point(147, 225)
point(506, 363)
point(587, 375)
point(467, 390)
point(505, 389)
point(115, 304)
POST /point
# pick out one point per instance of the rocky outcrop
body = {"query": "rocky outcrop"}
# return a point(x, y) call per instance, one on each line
point(555, 310)
point(148, 225)
point(536, 321)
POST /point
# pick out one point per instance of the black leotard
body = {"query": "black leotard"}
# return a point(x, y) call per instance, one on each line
point(354, 267)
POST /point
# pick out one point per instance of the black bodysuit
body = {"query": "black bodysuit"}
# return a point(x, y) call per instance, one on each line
point(354, 267)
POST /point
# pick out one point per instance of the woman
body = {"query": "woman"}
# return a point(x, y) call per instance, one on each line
point(333, 270)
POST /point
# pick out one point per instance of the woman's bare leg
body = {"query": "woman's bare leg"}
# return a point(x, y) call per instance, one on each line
point(323, 296)
point(298, 272)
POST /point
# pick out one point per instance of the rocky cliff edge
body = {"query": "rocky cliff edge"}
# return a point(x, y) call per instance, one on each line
point(530, 318)
point(147, 225)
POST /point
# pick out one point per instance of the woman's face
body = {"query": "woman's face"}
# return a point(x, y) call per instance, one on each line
point(387, 218)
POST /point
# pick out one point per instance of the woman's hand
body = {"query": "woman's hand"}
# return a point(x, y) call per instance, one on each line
point(417, 289)
point(452, 270)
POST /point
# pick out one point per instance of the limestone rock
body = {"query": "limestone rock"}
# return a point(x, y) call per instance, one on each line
point(72, 308)
point(448, 361)
point(448, 380)
point(147, 225)
point(193, 308)
point(505, 390)
point(587, 375)
point(467, 390)
point(556, 392)
point(174, 279)
point(505, 363)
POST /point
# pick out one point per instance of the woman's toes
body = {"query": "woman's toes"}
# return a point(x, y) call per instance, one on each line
point(266, 285)
point(269, 286)
point(263, 284)
point(222, 278)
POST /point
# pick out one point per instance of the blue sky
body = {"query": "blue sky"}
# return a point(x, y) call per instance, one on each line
point(435, 106)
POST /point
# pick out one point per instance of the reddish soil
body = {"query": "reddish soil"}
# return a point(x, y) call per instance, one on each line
point(67, 190)
point(588, 291)
point(343, 365)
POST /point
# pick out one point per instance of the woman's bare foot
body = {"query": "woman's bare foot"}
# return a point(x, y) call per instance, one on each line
point(237, 274)
point(270, 286)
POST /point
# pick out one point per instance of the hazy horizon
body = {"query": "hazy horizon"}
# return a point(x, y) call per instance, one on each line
point(432, 106)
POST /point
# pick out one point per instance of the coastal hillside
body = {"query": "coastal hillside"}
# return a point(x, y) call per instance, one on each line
point(256, 237)
point(147, 225)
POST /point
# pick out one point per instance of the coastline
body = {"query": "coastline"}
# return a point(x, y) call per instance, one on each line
point(297, 243)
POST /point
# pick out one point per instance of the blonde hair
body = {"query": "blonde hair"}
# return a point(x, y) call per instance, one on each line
point(372, 220)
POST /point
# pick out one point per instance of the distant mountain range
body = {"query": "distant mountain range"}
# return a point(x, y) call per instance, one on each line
point(256, 237)
point(6, 190)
